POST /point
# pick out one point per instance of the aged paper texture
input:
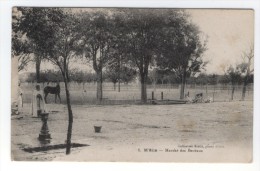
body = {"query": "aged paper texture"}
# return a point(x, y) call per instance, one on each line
point(132, 85)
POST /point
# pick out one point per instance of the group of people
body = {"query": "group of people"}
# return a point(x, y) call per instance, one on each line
point(198, 98)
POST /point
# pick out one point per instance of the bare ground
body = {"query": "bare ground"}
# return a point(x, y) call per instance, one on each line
point(208, 132)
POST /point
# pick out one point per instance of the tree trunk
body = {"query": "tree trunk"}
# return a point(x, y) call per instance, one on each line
point(114, 86)
point(99, 86)
point(232, 93)
point(38, 67)
point(244, 89)
point(183, 80)
point(143, 89)
point(154, 86)
point(119, 88)
point(119, 71)
point(244, 92)
point(214, 88)
point(67, 75)
point(69, 133)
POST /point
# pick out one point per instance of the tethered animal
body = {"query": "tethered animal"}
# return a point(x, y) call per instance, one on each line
point(52, 90)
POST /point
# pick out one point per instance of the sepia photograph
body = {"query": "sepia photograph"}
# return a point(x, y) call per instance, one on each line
point(132, 84)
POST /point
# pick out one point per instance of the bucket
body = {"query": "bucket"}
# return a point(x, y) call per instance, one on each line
point(97, 129)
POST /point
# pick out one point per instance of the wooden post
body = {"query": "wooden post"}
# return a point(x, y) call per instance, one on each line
point(152, 95)
point(161, 95)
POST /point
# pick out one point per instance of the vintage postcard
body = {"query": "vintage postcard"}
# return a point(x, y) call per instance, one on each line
point(132, 85)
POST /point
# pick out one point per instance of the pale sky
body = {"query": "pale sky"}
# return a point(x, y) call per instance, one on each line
point(230, 32)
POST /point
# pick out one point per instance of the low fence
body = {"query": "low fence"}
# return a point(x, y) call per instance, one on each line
point(86, 93)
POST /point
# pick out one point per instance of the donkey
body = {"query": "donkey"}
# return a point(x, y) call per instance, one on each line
point(52, 90)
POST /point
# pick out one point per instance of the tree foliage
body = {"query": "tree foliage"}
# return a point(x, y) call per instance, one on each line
point(96, 41)
point(20, 45)
point(247, 69)
point(182, 50)
point(52, 36)
point(36, 25)
point(133, 40)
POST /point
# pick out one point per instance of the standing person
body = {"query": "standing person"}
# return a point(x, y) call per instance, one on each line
point(38, 103)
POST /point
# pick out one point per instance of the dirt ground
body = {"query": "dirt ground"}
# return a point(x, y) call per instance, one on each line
point(205, 132)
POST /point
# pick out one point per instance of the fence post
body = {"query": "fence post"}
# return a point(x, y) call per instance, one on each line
point(161, 95)
point(152, 95)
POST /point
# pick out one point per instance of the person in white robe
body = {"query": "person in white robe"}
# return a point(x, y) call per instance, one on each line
point(38, 103)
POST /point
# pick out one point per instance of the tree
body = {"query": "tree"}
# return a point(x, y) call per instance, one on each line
point(33, 23)
point(154, 76)
point(246, 69)
point(113, 71)
point(51, 32)
point(142, 35)
point(77, 75)
point(202, 79)
point(96, 31)
point(163, 76)
point(117, 73)
point(20, 49)
point(90, 77)
point(112, 75)
point(51, 76)
point(182, 50)
point(127, 74)
point(234, 75)
point(20, 46)
point(63, 50)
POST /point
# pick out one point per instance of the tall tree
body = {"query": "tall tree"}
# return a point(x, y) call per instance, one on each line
point(114, 67)
point(96, 30)
point(234, 76)
point(51, 32)
point(33, 23)
point(112, 74)
point(64, 49)
point(246, 68)
point(118, 74)
point(182, 50)
point(141, 30)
